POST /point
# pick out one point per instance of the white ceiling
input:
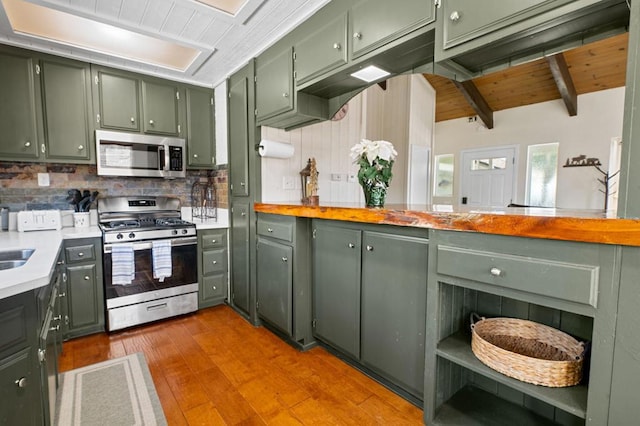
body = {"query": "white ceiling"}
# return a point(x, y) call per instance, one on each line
point(226, 42)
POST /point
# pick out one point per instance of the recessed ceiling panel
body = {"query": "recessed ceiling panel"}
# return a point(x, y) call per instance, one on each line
point(230, 6)
point(41, 22)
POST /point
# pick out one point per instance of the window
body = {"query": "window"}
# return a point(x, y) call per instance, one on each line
point(443, 182)
point(542, 174)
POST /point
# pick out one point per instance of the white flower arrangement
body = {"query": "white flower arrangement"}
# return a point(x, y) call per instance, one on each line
point(375, 159)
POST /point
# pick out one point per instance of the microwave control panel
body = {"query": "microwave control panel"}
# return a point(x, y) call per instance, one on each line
point(175, 158)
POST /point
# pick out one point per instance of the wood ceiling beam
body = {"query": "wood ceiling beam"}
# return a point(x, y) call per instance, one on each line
point(477, 101)
point(564, 82)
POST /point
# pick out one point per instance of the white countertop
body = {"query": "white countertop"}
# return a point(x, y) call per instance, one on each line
point(222, 220)
point(40, 267)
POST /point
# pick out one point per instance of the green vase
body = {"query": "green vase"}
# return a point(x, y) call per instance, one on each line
point(374, 195)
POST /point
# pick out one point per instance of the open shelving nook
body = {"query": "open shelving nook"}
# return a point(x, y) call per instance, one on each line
point(568, 286)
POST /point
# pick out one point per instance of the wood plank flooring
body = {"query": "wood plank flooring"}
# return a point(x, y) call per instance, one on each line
point(214, 368)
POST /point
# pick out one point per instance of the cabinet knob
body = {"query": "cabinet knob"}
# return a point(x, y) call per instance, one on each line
point(81, 254)
point(195, 155)
point(80, 147)
point(27, 144)
point(214, 287)
point(455, 15)
point(242, 184)
point(133, 120)
point(369, 248)
point(86, 278)
point(284, 258)
point(62, 295)
point(351, 245)
point(285, 95)
point(214, 241)
point(215, 262)
point(357, 35)
point(243, 214)
point(21, 382)
point(269, 230)
point(57, 318)
point(337, 46)
point(496, 272)
point(151, 122)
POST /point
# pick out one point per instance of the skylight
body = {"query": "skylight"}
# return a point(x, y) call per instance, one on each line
point(48, 24)
point(230, 6)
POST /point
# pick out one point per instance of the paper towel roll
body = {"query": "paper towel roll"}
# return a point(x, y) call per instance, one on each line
point(272, 149)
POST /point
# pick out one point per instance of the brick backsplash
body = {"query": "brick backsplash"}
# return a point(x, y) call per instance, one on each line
point(19, 188)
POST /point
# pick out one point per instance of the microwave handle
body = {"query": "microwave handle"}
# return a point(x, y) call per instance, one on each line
point(162, 160)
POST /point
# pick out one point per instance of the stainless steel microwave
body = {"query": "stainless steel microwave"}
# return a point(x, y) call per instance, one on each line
point(134, 154)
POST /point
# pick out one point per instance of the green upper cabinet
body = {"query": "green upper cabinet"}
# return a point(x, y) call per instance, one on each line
point(238, 126)
point(374, 23)
point(274, 83)
point(472, 37)
point(201, 144)
point(66, 101)
point(118, 100)
point(19, 106)
point(160, 109)
point(323, 49)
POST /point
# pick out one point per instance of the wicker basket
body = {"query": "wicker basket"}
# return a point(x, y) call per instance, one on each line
point(527, 351)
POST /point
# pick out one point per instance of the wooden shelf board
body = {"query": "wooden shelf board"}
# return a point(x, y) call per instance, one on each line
point(457, 349)
point(475, 407)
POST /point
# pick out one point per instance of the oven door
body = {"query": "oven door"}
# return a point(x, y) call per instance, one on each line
point(143, 288)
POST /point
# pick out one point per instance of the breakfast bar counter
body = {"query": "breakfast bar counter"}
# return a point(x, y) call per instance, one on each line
point(593, 226)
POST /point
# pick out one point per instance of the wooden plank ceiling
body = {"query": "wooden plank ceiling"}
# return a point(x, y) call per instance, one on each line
point(596, 66)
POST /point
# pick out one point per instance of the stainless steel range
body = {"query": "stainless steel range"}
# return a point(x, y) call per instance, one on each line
point(150, 258)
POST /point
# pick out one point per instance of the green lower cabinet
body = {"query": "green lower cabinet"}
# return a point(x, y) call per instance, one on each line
point(213, 270)
point(394, 295)
point(369, 298)
point(82, 291)
point(275, 284)
point(240, 282)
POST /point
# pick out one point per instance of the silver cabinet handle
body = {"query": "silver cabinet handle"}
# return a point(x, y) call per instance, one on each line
point(214, 241)
point(214, 287)
point(284, 258)
point(357, 35)
point(133, 120)
point(87, 278)
point(56, 328)
point(351, 245)
point(80, 147)
point(21, 382)
point(27, 144)
point(337, 46)
point(42, 355)
point(81, 254)
point(195, 155)
point(455, 15)
point(285, 95)
point(369, 248)
point(269, 230)
point(496, 272)
point(151, 122)
point(215, 262)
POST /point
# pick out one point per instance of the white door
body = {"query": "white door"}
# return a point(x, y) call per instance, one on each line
point(488, 176)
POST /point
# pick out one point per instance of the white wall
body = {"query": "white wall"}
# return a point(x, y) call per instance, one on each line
point(220, 106)
point(374, 114)
point(599, 120)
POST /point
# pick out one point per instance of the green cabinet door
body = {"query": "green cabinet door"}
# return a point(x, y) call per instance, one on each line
point(238, 126)
point(118, 101)
point(19, 403)
point(394, 296)
point(201, 143)
point(336, 286)
point(275, 284)
point(19, 103)
point(324, 48)
point(240, 279)
point(66, 99)
point(374, 23)
point(274, 83)
point(160, 108)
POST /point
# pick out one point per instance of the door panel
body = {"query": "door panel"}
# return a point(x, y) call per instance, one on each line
point(240, 256)
point(488, 176)
point(239, 139)
point(200, 128)
point(82, 297)
point(160, 108)
point(119, 102)
point(275, 284)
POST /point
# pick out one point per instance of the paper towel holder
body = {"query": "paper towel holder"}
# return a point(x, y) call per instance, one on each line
point(266, 148)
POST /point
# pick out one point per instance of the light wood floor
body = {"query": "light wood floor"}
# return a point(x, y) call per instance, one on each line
point(214, 368)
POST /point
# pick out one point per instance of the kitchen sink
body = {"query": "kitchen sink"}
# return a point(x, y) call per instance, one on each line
point(14, 258)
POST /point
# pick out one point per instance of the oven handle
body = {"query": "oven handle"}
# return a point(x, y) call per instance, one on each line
point(146, 245)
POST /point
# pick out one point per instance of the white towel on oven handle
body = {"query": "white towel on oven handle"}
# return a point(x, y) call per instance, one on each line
point(123, 265)
point(161, 253)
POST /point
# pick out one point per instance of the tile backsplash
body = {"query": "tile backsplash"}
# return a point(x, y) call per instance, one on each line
point(19, 188)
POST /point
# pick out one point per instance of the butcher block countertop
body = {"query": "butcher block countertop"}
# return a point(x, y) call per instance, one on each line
point(592, 226)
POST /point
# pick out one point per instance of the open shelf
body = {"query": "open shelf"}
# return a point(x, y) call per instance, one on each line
point(471, 406)
point(457, 349)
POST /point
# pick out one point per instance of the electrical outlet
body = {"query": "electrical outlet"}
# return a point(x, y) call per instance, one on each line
point(336, 177)
point(43, 179)
point(352, 178)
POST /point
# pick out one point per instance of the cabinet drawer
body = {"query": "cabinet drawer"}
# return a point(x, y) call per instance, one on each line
point(214, 239)
point(566, 281)
point(214, 261)
point(214, 286)
point(280, 231)
point(80, 253)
